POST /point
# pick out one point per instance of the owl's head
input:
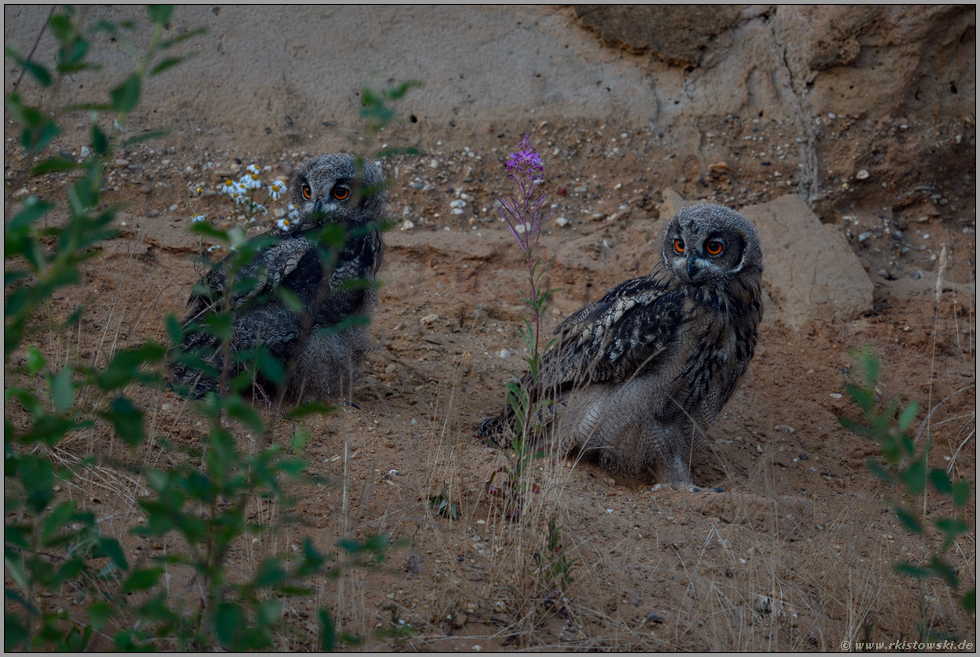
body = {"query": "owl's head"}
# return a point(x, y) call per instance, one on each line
point(711, 245)
point(338, 188)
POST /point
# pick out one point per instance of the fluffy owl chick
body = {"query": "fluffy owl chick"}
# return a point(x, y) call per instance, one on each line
point(637, 376)
point(323, 344)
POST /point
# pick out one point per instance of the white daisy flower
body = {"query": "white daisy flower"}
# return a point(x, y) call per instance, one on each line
point(213, 247)
point(199, 217)
point(251, 168)
point(228, 187)
point(276, 189)
point(250, 181)
point(283, 223)
point(293, 214)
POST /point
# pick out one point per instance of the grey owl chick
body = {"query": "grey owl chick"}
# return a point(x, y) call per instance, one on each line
point(637, 376)
point(331, 189)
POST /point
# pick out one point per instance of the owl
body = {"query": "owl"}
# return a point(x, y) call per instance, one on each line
point(636, 377)
point(318, 338)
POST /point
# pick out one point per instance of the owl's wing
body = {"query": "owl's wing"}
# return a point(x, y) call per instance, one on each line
point(611, 339)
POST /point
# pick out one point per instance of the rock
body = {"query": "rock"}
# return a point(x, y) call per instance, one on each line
point(673, 203)
point(144, 189)
point(810, 270)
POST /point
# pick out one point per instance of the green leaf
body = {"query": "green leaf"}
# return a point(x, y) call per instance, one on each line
point(228, 622)
point(969, 601)
point(35, 361)
point(99, 614)
point(15, 566)
point(145, 136)
point(270, 368)
point(961, 492)
point(909, 520)
point(37, 71)
point(52, 165)
point(62, 390)
point(125, 96)
point(310, 408)
point(127, 366)
point(878, 470)
point(240, 410)
point(170, 62)
point(939, 481)
point(33, 210)
point(914, 476)
point(141, 580)
point(944, 571)
point(110, 547)
point(328, 632)
point(396, 92)
point(55, 520)
point(270, 573)
point(100, 142)
point(905, 419)
point(910, 570)
point(861, 396)
point(160, 14)
point(268, 612)
point(871, 366)
point(951, 527)
point(127, 420)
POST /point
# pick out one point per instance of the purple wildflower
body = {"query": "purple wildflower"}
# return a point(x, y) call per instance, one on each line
point(526, 160)
point(523, 214)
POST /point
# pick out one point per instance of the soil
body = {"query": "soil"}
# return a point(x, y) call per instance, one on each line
point(795, 554)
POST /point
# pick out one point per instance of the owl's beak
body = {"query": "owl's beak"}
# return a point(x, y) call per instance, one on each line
point(695, 266)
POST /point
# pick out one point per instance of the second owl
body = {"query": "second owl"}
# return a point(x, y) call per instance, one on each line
point(637, 376)
point(324, 343)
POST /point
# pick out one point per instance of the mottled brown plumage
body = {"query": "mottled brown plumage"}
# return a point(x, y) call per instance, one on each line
point(637, 376)
point(324, 344)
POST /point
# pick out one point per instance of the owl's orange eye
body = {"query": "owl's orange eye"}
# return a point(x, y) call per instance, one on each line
point(307, 192)
point(714, 247)
point(340, 193)
point(679, 245)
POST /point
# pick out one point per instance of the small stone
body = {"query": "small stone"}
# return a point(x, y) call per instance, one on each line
point(145, 189)
point(862, 174)
point(785, 429)
point(429, 320)
point(407, 225)
point(120, 163)
point(503, 353)
point(562, 221)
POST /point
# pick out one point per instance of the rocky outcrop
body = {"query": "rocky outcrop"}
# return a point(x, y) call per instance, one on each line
point(810, 271)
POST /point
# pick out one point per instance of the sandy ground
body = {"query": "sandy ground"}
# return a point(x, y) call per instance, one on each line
point(795, 555)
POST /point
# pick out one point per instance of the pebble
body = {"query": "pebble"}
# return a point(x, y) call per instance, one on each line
point(407, 225)
point(121, 163)
point(503, 353)
point(144, 189)
point(785, 429)
point(862, 174)
point(429, 320)
point(581, 190)
point(562, 221)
